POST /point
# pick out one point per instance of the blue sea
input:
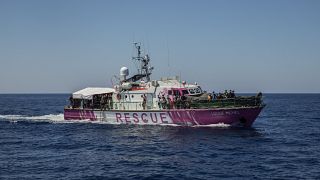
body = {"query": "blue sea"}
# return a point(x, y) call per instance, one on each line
point(36, 143)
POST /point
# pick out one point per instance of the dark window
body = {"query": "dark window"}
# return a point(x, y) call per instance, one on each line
point(185, 92)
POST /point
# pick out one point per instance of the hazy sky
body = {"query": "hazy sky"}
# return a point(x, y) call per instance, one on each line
point(57, 46)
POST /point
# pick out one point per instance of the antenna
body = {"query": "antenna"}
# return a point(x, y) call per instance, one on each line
point(180, 79)
point(145, 69)
point(138, 57)
point(168, 51)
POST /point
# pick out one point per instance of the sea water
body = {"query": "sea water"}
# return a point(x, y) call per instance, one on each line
point(37, 143)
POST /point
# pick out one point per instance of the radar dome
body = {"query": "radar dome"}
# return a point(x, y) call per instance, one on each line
point(124, 71)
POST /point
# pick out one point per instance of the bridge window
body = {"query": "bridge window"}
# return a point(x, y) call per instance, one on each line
point(184, 92)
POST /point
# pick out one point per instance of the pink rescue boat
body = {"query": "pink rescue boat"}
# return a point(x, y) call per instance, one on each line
point(168, 101)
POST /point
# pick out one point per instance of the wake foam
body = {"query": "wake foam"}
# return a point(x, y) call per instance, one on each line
point(49, 117)
point(52, 118)
point(219, 125)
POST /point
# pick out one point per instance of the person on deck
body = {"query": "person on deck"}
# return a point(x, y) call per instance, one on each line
point(71, 101)
point(225, 94)
point(164, 102)
point(106, 102)
point(102, 103)
point(110, 102)
point(209, 97)
point(174, 102)
point(144, 101)
point(233, 95)
point(169, 102)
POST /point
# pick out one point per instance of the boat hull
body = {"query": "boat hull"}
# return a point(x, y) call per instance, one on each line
point(244, 116)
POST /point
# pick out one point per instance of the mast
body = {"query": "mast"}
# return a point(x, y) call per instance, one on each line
point(145, 70)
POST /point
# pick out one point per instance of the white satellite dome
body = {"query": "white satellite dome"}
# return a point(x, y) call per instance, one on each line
point(124, 71)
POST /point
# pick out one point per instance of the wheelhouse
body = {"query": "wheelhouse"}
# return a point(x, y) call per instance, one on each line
point(178, 92)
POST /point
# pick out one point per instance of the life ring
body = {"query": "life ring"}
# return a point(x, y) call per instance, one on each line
point(118, 96)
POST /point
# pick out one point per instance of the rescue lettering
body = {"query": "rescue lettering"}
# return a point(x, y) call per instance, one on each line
point(154, 119)
point(127, 118)
point(147, 118)
point(118, 117)
point(162, 117)
point(135, 118)
point(143, 117)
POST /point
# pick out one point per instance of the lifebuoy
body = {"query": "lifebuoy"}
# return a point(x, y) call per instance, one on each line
point(118, 96)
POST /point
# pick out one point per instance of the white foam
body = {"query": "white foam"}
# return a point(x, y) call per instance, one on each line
point(173, 125)
point(219, 125)
point(49, 117)
point(53, 118)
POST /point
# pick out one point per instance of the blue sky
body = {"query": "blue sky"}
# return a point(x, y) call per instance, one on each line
point(64, 45)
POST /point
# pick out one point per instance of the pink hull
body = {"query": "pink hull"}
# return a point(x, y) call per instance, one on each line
point(232, 116)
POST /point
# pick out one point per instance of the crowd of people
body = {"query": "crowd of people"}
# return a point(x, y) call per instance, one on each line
point(172, 102)
point(97, 102)
point(106, 102)
point(227, 94)
point(181, 102)
point(175, 101)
